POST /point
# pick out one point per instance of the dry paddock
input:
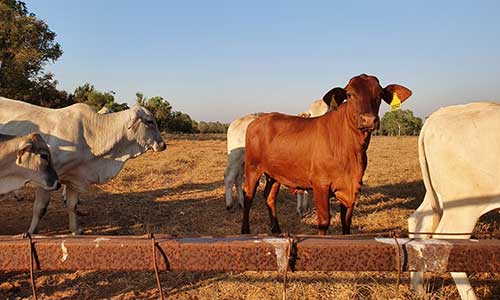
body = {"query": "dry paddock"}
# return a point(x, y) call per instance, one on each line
point(181, 192)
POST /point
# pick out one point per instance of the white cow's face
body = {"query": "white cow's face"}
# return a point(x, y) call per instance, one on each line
point(35, 163)
point(144, 130)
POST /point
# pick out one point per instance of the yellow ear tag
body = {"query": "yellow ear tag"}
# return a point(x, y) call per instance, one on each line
point(395, 103)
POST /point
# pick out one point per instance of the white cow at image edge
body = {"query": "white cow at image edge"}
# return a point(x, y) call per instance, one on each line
point(459, 149)
point(87, 148)
point(234, 172)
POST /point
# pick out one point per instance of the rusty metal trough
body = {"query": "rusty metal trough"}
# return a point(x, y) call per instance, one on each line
point(242, 253)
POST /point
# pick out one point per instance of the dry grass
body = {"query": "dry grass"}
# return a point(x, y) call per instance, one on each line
point(181, 192)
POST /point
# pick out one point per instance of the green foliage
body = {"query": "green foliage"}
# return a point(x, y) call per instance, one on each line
point(400, 122)
point(212, 127)
point(177, 121)
point(26, 46)
point(158, 106)
point(180, 122)
point(89, 95)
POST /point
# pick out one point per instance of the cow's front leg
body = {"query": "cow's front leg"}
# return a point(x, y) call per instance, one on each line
point(72, 198)
point(322, 202)
point(42, 198)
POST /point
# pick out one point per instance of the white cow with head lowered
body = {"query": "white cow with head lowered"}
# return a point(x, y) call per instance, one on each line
point(87, 148)
point(24, 160)
point(459, 149)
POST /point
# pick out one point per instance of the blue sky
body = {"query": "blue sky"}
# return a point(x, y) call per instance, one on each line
point(218, 60)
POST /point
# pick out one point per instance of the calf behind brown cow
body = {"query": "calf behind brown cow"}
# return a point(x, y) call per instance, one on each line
point(326, 154)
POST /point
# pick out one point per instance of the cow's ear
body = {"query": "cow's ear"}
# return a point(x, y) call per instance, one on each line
point(338, 95)
point(135, 114)
point(401, 92)
point(132, 121)
point(23, 148)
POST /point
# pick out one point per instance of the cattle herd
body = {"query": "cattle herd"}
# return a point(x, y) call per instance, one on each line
point(322, 150)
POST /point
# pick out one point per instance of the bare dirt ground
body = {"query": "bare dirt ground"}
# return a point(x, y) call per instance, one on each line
point(181, 192)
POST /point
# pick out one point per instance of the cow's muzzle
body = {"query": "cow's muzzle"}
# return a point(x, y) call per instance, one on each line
point(158, 147)
point(368, 122)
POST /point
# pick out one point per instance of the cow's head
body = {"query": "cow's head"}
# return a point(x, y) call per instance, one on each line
point(364, 95)
point(143, 129)
point(35, 162)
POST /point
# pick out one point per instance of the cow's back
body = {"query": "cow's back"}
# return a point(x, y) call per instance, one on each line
point(60, 128)
point(461, 145)
point(236, 132)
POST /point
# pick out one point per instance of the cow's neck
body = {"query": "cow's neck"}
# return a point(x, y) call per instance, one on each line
point(106, 135)
point(343, 129)
point(347, 140)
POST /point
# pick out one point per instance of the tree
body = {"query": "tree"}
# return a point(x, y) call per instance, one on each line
point(89, 95)
point(26, 46)
point(180, 122)
point(158, 106)
point(400, 122)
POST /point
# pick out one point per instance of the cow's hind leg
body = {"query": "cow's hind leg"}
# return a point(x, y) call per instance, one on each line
point(251, 183)
point(300, 202)
point(273, 188)
point(322, 202)
point(42, 198)
point(239, 185)
point(229, 179)
point(467, 223)
point(345, 218)
point(72, 203)
point(424, 219)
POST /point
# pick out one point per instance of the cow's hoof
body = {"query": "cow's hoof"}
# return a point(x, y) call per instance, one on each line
point(245, 230)
point(79, 231)
point(240, 206)
point(276, 230)
point(229, 207)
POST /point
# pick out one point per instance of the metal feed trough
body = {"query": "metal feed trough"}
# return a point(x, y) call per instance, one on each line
point(247, 253)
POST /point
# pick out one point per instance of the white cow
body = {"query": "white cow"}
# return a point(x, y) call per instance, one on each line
point(459, 150)
point(316, 109)
point(87, 148)
point(233, 174)
point(23, 160)
point(236, 134)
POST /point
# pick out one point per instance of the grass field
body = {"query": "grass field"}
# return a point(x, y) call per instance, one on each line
point(181, 192)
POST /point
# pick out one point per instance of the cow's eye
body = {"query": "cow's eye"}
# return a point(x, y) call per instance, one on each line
point(44, 156)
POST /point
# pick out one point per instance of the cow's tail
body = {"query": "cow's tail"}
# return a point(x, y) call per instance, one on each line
point(431, 195)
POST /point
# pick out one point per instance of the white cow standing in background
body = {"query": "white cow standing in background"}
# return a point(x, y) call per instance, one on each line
point(459, 149)
point(234, 172)
point(87, 148)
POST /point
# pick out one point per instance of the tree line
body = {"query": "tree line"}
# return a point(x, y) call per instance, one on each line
point(27, 45)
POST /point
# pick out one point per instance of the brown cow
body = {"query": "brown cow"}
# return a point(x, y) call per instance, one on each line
point(327, 153)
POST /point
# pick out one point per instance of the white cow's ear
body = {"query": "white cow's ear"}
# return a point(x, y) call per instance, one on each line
point(23, 149)
point(132, 122)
